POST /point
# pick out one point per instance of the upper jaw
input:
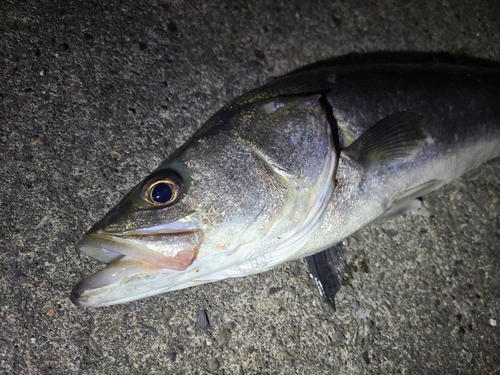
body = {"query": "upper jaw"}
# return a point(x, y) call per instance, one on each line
point(172, 245)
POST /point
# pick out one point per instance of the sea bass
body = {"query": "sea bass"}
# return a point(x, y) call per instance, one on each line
point(290, 170)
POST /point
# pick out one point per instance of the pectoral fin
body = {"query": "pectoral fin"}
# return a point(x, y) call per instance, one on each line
point(327, 269)
point(395, 138)
point(398, 210)
point(407, 201)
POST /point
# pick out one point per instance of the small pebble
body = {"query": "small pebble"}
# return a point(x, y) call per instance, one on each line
point(168, 313)
point(172, 27)
point(338, 337)
point(274, 290)
point(223, 336)
point(493, 322)
point(161, 85)
point(63, 47)
point(202, 320)
point(366, 358)
point(259, 54)
point(391, 233)
point(212, 364)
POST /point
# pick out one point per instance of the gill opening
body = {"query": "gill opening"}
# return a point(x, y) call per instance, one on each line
point(334, 128)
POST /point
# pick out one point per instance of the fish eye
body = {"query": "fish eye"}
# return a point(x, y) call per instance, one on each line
point(162, 193)
point(162, 188)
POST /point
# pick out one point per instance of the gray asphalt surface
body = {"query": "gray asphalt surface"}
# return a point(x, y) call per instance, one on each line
point(94, 95)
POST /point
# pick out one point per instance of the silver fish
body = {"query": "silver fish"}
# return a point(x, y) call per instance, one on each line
point(290, 170)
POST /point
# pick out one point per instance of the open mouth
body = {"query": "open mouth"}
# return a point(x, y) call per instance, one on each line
point(141, 263)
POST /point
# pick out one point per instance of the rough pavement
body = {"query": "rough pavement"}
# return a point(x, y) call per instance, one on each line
point(93, 95)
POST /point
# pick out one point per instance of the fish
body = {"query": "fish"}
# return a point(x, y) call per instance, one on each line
point(290, 170)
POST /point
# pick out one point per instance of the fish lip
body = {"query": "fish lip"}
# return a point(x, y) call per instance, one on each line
point(110, 248)
point(97, 289)
point(77, 298)
point(104, 255)
point(169, 228)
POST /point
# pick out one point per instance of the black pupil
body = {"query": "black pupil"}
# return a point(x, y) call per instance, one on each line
point(162, 193)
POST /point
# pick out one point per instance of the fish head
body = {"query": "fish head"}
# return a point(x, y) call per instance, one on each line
point(242, 195)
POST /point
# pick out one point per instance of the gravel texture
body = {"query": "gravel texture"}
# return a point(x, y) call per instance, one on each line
point(93, 95)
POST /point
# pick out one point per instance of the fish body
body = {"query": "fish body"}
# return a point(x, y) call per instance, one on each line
point(289, 170)
point(460, 130)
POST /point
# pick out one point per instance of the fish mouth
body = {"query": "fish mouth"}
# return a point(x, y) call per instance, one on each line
point(141, 263)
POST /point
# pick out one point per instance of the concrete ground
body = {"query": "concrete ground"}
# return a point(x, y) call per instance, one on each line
point(93, 95)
